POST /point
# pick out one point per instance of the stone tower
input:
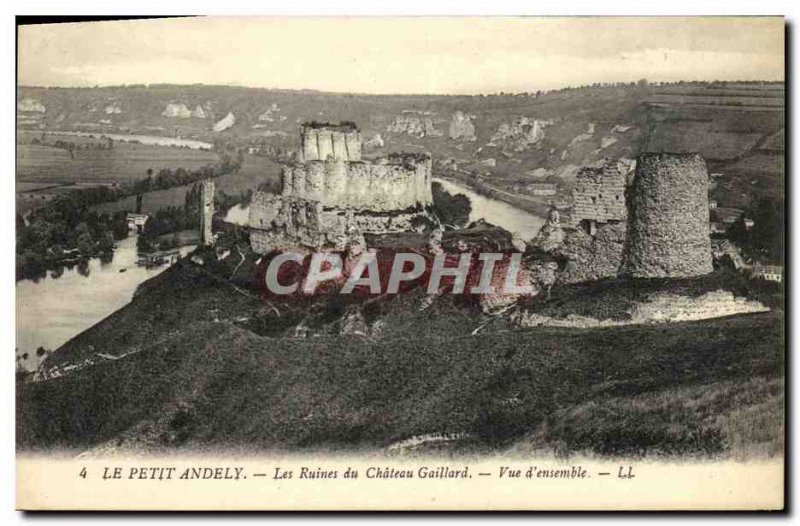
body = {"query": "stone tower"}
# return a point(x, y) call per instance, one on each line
point(668, 226)
point(206, 211)
point(322, 141)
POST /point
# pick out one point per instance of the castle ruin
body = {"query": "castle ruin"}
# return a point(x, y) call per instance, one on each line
point(332, 195)
point(668, 226)
point(341, 142)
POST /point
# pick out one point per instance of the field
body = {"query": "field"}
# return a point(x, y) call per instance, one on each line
point(254, 172)
point(43, 172)
point(125, 163)
point(201, 380)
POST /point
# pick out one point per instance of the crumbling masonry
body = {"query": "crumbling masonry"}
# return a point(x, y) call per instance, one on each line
point(598, 197)
point(668, 226)
point(657, 227)
point(206, 211)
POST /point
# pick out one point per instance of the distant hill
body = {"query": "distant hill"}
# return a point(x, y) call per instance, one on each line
point(737, 127)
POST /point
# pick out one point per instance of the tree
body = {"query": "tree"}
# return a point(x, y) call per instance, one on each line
point(451, 210)
point(767, 233)
point(85, 244)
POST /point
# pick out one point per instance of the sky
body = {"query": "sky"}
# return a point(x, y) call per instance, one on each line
point(444, 55)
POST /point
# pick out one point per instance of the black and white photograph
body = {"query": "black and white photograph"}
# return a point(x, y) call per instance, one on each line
point(451, 263)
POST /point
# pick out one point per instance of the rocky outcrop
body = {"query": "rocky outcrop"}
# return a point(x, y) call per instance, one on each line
point(621, 128)
point(607, 141)
point(519, 135)
point(414, 123)
point(270, 114)
point(461, 127)
point(199, 113)
point(374, 143)
point(353, 322)
point(446, 165)
point(225, 123)
point(31, 105)
point(668, 225)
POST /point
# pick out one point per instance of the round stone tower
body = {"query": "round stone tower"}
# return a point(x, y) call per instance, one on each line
point(668, 224)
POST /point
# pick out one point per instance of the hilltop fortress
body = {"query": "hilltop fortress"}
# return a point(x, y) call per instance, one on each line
point(331, 196)
point(656, 227)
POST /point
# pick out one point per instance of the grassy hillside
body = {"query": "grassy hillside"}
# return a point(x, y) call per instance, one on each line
point(201, 379)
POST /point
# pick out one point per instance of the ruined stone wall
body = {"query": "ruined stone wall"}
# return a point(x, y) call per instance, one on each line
point(280, 223)
point(590, 257)
point(599, 195)
point(206, 211)
point(333, 195)
point(668, 225)
point(284, 222)
point(339, 142)
point(389, 184)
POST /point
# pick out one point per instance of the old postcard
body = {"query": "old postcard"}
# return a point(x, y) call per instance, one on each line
point(430, 263)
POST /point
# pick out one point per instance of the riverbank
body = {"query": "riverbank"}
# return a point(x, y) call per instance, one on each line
point(495, 211)
point(60, 306)
point(528, 204)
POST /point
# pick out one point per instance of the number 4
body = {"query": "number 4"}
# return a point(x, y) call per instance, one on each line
point(82, 474)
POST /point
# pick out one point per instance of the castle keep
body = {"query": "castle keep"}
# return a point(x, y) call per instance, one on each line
point(389, 184)
point(332, 195)
point(668, 227)
point(341, 142)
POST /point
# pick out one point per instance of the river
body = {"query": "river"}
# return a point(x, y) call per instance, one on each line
point(53, 310)
point(496, 212)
